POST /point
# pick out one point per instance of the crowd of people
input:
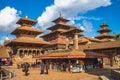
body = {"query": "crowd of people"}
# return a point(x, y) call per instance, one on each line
point(5, 62)
point(60, 67)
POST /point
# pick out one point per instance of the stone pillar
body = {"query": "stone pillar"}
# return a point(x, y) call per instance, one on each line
point(75, 41)
point(67, 43)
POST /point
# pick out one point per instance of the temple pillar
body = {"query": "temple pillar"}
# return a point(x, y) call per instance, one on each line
point(67, 43)
point(75, 41)
point(112, 58)
point(111, 61)
point(39, 52)
point(18, 53)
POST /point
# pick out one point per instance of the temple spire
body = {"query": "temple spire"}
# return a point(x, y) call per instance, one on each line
point(61, 15)
point(7, 38)
point(26, 16)
point(104, 23)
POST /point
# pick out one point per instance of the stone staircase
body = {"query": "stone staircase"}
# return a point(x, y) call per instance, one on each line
point(6, 74)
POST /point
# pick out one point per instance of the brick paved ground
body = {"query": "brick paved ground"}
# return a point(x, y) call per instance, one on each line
point(54, 75)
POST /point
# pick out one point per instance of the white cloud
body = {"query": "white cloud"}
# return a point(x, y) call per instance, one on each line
point(69, 9)
point(87, 26)
point(82, 28)
point(8, 18)
point(2, 38)
point(85, 17)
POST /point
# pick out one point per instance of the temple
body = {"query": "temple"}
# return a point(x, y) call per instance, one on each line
point(65, 43)
point(69, 45)
point(26, 45)
point(55, 37)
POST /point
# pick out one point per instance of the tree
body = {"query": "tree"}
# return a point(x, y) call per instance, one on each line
point(116, 36)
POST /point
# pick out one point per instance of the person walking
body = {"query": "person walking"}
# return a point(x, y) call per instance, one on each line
point(42, 68)
point(46, 67)
point(26, 68)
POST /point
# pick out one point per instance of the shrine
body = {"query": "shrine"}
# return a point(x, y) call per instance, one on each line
point(26, 46)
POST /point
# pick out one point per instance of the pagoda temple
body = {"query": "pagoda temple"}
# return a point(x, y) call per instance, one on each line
point(104, 32)
point(26, 44)
point(67, 45)
point(60, 35)
point(71, 39)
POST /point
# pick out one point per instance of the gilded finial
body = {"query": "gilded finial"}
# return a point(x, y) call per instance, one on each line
point(60, 14)
point(104, 23)
point(7, 38)
point(26, 16)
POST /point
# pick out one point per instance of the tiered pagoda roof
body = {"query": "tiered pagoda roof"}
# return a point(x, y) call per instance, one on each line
point(61, 27)
point(29, 40)
point(104, 32)
point(26, 21)
point(25, 33)
point(57, 29)
point(70, 33)
point(60, 20)
point(25, 28)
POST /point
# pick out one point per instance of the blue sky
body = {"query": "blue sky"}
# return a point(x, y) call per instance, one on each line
point(85, 14)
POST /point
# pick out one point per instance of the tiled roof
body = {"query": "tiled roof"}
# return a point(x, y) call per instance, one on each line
point(25, 28)
point(72, 54)
point(98, 40)
point(61, 19)
point(103, 45)
point(53, 32)
point(29, 40)
point(55, 26)
point(107, 30)
point(104, 35)
point(26, 19)
point(4, 52)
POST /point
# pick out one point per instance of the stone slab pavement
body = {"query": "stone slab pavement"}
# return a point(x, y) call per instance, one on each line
point(34, 74)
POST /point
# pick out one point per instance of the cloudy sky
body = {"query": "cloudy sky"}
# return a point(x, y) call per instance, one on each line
point(84, 14)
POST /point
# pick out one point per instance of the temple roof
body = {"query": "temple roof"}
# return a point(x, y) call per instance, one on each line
point(97, 40)
point(104, 30)
point(103, 45)
point(59, 25)
point(57, 42)
point(4, 52)
point(60, 18)
point(29, 40)
point(25, 28)
point(72, 54)
point(53, 32)
point(103, 36)
point(104, 25)
point(26, 20)
point(74, 30)
point(70, 32)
